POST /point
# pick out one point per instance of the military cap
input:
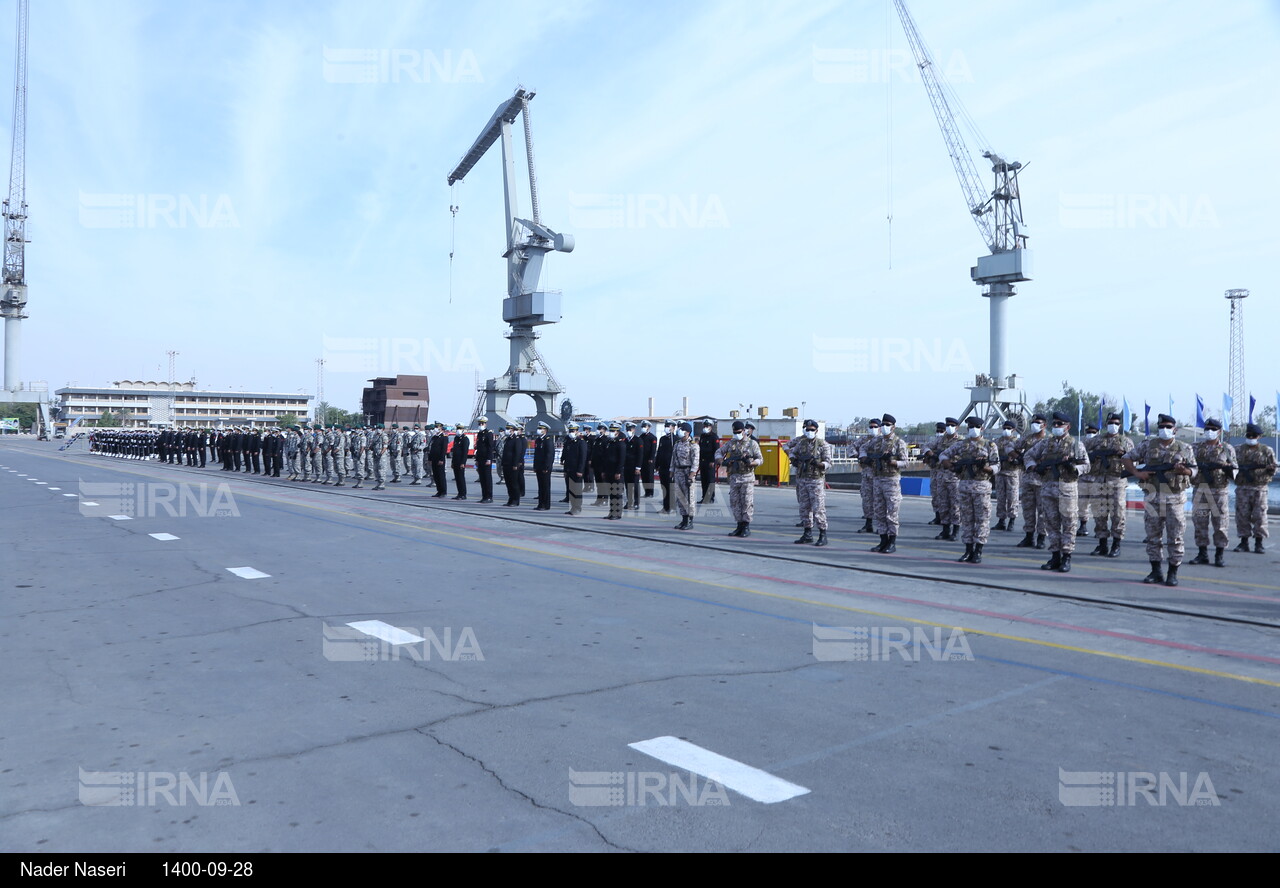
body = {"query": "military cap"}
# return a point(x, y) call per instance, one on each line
point(1164, 417)
point(394, 426)
point(543, 425)
point(1091, 428)
point(811, 424)
point(1212, 424)
point(749, 424)
point(1253, 430)
point(460, 427)
point(1039, 417)
point(739, 426)
point(416, 426)
point(483, 420)
point(1059, 416)
point(973, 422)
point(939, 426)
point(631, 425)
point(687, 426)
point(951, 420)
point(614, 427)
point(670, 423)
point(380, 425)
point(644, 424)
point(573, 426)
point(1114, 417)
point(873, 422)
point(888, 419)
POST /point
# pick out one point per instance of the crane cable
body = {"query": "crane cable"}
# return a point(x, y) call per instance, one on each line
point(888, 92)
point(453, 237)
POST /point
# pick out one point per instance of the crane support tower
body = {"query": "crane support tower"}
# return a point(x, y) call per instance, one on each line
point(14, 301)
point(995, 396)
point(1235, 362)
point(525, 306)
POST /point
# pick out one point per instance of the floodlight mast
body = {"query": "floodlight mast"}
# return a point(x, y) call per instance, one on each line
point(525, 306)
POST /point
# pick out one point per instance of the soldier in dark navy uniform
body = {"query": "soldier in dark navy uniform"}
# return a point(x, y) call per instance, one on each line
point(437, 451)
point(664, 449)
point(458, 459)
point(484, 460)
point(513, 451)
point(544, 459)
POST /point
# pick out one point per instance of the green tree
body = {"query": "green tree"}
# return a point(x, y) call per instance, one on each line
point(1266, 420)
point(109, 419)
point(26, 413)
point(286, 419)
point(1069, 403)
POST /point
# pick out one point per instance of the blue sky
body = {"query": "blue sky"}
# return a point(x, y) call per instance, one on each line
point(748, 150)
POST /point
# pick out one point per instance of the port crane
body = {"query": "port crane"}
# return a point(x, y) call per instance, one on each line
point(995, 396)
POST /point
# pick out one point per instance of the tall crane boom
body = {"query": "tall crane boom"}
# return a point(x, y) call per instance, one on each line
point(14, 298)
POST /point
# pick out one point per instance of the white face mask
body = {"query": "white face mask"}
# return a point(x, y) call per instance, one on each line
point(541, 432)
point(1059, 431)
point(706, 430)
point(1113, 429)
point(973, 433)
point(1089, 436)
point(951, 430)
point(1037, 427)
point(1165, 434)
point(875, 431)
point(1212, 434)
point(811, 435)
point(1252, 442)
point(630, 435)
point(1008, 433)
point(739, 435)
point(886, 431)
point(681, 433)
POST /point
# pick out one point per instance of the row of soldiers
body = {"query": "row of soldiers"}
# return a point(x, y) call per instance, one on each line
point(1057, 480)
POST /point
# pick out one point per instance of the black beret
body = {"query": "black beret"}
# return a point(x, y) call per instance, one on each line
point(738, 425)
point(1059, 416)
point(1039, 417)
point(889, 419)
point(939, 426)
point(1010, 424)
point(1164, 417)
point(1114, 417)
point(973, 422)
point(1253, 430)
point(951, 420)
point(1091, 428)
point(811, 424)
point(1212, 424)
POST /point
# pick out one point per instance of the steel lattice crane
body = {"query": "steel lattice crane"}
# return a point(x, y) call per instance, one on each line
point(528, 242)
point(994, 397)
point(14, 301)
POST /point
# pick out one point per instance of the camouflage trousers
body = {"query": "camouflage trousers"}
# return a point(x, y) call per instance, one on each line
point(742, 496)
point(1108, 509)
point(304, 464)
point(326, 464)
point(935, 489)
point(375, 466)
point(812, 494)
point(357, 464)
point(291, 463)
point(395, 465)
point(869, 489)
point(1029, 494)
point(1165, 520)
point(1088, 489)
point(1251, 512)
point(888, 501)
point(317, 463)
point(948, 501)
point(682, 487)
point(1059, 508)
point(1209, 506)
point(415, 465)
point(974, 502)
point(1006, 485)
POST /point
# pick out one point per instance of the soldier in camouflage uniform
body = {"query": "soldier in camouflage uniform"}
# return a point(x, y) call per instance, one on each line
point(1008, 478)
point(929, 456)
point(811, 456)
point(1215, 466)
point(741, 454)
point(395, 441)
point(974, 461)
point(377, 449)
point(325, 443)
point(1257, 464)
point(304, 453)
point(291, 453)
point(867, 486)
point(315, 451)
point(341, 455)
point(1169, 464)
point(1059, 460)
point(948, 485)
point(1029, 488)
point(1088, 485)
point(684, 468)
point(1106, 455)
point(415, 444)
point(358, 444)
point(888, 452)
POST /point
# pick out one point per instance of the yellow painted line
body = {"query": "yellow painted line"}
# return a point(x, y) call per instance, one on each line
point(1145, 661)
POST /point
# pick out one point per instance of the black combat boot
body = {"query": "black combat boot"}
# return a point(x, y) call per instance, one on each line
point(1101, 548)
point(884, 541)
point(1083, 529)
point(357, 485)
point(1202, 556)
point(1000, 525)
point(1028, 541)
point(684, 522)
point(937, 518)
point(1171, 579)
point(968, 554)
point(866, 527)
point(1040, 541)
point(1156, 575)
point(946, 533)
point(746, 529)
point(1244, 545)
point(1257, 545)
point(891, 545)
point(1218, 560)
point(977, 554)
point(1115, 549)
point(1065, 566)
point(1054, 562)
point(822, 538)
point(806, 537)
point(737, 531)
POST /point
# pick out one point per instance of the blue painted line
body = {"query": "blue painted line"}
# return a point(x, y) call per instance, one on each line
point(759, 613)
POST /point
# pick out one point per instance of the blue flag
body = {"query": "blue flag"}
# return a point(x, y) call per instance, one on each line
point(1101, 416)
point(1079, 415)
point(1146, 416)
point(1227, 404)
point(1253, 402)
point(1125, 417)
point(1199, 412)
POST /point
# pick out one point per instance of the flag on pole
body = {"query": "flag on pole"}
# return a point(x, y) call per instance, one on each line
point(1125, 417)
point(1079, 415)
point(1253, 402)
point(1199, 412)
point(1228, 403)
point(1146, 416)
point(1171, 405)
point(1101, 415)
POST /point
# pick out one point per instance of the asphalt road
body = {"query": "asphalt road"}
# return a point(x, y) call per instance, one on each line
point(572, 684)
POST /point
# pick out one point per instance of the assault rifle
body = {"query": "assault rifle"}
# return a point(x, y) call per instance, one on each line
point(1053, 465)
point(740, 459)
point(1161, 471)
point(1206, 467)
point(978, 462)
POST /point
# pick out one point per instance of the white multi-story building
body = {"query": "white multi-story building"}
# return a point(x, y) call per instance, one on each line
point(155, 404)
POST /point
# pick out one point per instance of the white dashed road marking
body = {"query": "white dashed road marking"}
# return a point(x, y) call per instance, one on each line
point(248, 573)
point(385, 631)
point(120, 517)
point(753, 783)
point(162, 536)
